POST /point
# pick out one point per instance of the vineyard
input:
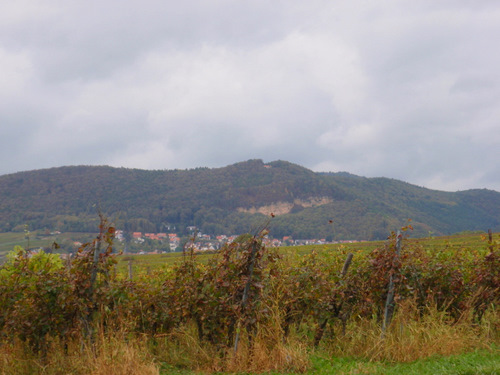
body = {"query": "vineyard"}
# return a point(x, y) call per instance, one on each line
point(248, 307)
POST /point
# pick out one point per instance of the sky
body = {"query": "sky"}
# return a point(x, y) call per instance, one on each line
point(392, 88)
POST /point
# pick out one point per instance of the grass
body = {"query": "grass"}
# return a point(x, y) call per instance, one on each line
point(413, 336)
point(431, 344)
point(111, 355)
point(477, 362)
point(428, 344)
point(127, 360)
point(470, 242)
point(147, 262)
point(10, 239)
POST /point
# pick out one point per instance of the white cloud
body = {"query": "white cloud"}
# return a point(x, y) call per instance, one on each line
point(409, 90)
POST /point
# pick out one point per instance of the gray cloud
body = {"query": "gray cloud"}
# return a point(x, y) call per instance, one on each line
point(409, 90)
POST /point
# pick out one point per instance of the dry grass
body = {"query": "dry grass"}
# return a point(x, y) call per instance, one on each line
point(413, 336)
point(266, 352)
point(108, 356)
point(117, 355)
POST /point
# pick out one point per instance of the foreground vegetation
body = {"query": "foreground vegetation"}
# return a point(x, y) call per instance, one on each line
point(252, 309)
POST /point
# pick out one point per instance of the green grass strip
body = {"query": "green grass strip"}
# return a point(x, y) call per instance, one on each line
point(479, 362)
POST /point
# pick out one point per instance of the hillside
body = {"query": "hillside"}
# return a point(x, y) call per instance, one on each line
point(237, 198)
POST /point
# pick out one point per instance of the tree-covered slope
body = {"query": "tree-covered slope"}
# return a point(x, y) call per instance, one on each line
point(237, 198)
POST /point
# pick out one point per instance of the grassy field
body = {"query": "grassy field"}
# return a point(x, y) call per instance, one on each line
point(459, 243)
point(483, 362)
point(10, 239)
point(479, 362)
point(149, 262)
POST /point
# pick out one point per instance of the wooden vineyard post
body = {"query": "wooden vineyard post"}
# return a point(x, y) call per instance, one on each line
point(96, 244)
point(97, 253)
point(130, 269)
point(347, 263)
point(389, 303)
point(321, 329)
point(68, 262)
point(255, 247)
point(490, 240)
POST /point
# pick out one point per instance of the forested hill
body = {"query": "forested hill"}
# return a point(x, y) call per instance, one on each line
point(236, 199)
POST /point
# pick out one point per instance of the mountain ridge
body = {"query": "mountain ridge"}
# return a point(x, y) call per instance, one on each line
point(228, 199)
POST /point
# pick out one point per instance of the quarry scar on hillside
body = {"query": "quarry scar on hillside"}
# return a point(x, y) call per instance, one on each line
point(281, 208)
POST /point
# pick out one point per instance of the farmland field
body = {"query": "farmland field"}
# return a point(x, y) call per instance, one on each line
point(10, 239)
point(459, 242)
point(469, 242)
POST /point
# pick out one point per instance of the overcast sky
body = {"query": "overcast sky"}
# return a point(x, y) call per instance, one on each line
point(402, 89)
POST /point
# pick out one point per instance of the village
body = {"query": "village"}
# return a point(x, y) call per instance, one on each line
point(155, 243)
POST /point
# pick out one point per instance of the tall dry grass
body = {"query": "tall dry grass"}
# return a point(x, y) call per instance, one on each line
point(265, 351)
point(119, 354)
point(412, 335)
point(108, 355)
point(262, 354)
point(415, 335)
